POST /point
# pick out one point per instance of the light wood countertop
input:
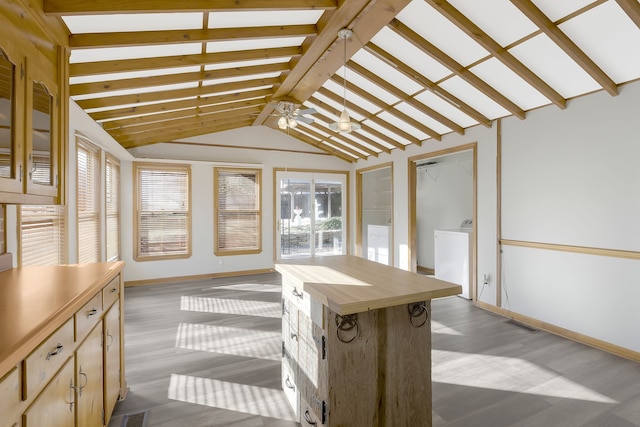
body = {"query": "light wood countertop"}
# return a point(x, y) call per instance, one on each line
point(35, 301)
point(349, 284)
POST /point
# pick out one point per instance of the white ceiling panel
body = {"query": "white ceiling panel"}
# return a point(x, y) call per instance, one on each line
point(423, 118)
point(226, 65)
point(556, 10)
point(446, 109)
point(610, 38)
point(135, 91)
point(239, 79)
point(474, 98)
point(500, 19)
point(554, 66)
point(132, 52)
point(131, 75)
point(351, 97)
point(80, 24)
point(389, 117)
point(239, 45)
point(263, 18)
point(368, 86)
point(407, 53)
point(386, 71)
point(514, 87)
point(432, 26)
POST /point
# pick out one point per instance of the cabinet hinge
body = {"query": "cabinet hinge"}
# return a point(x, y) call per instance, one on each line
point(283, 350)
point(324, 412)
point(21, 70)
point(283, 310)
point(324, 347)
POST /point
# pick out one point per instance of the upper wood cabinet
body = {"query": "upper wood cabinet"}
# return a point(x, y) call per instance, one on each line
point(33, 107)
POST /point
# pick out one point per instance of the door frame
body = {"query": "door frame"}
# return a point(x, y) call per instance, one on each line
point(412, 208)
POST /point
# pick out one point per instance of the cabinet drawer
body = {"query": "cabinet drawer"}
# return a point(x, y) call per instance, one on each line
point(110, 293)
point(10, 398)
point(291, 391)
point(87, 317)
point(309, 417)
point(303, 301)
point(42, 364)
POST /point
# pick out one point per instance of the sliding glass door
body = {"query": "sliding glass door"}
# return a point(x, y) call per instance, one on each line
point(310, 212)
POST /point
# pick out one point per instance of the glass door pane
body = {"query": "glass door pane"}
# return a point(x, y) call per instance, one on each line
point(309, 213)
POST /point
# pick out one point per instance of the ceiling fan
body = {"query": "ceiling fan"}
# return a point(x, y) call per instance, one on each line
point(290, 116)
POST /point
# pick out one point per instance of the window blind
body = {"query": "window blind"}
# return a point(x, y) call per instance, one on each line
point(163, 211)
point(237, 211)
point(42, 231)
point(88, 202)
point(112, 207)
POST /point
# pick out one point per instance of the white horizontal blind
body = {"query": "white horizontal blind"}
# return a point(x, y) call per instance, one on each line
point(3, 249)
point(42, 231)
point(163, 210)
point(237, 210)
point(88, 202)
point(112, 207)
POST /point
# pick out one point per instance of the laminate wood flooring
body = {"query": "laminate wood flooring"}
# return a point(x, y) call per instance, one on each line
point(207, 353)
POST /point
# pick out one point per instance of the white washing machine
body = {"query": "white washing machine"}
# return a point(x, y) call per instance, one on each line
point(453, 256)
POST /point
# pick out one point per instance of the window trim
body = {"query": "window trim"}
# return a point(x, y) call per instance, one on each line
point(89, 146)
point(111, 159)
point(137, 166)
point(217, 211)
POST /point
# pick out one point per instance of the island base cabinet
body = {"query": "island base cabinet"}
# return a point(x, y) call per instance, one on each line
point(55, 406)
point(111, 359)
point(89, 380)
point(10, 397)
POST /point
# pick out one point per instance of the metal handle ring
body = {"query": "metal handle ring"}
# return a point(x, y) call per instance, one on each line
point(347, 323)
point(416, 310)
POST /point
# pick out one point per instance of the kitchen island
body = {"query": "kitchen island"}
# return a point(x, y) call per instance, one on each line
point(357, 341)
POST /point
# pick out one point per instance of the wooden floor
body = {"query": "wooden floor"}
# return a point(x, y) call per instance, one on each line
point(208, 354)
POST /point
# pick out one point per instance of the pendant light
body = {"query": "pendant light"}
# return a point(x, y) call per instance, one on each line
point(344, 125)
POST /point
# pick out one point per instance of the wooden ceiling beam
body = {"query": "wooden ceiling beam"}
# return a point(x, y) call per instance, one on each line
point(94, 7)
point(564, 42)
point(456, 68)
point(200, 59)
point(141, 110)
point(418, 78)
point(140, 98)
point(340, 137)
point(183, 122)
point(387, 140)
point(172, 115)
point(330, 140)
point(145, 38)
point(386, 108)
point(498, 52)
point(171, 79)
point(632, 9)
point(374, 119)
point(403, 97)
point(318, 144)
point(200, 127)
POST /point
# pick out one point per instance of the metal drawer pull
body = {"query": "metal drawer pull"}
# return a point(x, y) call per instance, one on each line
point(86, 381)
point(114, 290)
point(294, 336)
point(55, 351)
point(296, 293)
point(71, 395)
point(288, 383)
point(110, 340)
point(92, 312)
point(308, 419)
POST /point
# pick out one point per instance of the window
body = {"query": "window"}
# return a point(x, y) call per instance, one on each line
point(237, 211)
point(42, 230)
point(88, 202)
point(163, 211)
point(112, 207)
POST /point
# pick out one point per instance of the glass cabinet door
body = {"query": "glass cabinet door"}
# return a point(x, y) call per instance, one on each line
point(10, 124)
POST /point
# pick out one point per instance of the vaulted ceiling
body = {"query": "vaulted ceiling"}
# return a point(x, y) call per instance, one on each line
point(166, 70)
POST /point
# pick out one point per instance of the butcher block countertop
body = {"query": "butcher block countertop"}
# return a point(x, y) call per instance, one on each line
point(35, 301)
point(349, 284)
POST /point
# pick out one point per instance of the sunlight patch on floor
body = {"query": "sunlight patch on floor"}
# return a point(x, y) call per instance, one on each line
point(507, 374)
point(261, 401)
point(253, 287)
point(235, 341)
point(440, 328)
point(231, 306)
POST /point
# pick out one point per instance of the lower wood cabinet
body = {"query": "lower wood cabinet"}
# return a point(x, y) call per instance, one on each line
point(55, 406)
point(72, 374)
point(88, 379)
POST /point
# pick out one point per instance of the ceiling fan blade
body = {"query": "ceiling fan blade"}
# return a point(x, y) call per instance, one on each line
point(307, 120)
point(307, 111)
